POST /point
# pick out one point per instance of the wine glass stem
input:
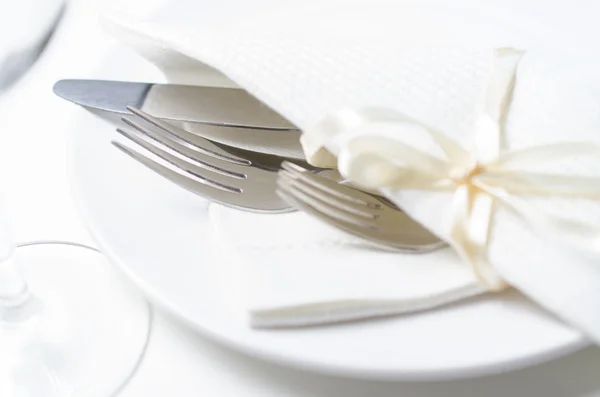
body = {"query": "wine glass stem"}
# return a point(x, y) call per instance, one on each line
point(15, 297)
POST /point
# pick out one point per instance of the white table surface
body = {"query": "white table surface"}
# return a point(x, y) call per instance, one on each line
point(179, 363)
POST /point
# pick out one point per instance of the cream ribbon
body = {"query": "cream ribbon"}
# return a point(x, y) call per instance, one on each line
point(480, 179)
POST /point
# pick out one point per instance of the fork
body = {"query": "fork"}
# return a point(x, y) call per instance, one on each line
point(230, 176)
point(362, 214)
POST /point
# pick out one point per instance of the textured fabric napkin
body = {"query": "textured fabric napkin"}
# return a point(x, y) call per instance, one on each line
point(376, 57)
point(294, 270)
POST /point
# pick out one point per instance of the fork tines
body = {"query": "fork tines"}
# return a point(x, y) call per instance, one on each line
point(359, 213)
point(208, 168)
point(326, 197)
point(199, 165)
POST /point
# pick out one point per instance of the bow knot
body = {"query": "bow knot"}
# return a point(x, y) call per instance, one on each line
point(463, 175)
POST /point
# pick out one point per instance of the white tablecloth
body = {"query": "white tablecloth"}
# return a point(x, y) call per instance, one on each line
point(178, 363)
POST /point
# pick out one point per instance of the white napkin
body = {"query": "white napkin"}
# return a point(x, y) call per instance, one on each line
point(367, 56)
point(293, 270)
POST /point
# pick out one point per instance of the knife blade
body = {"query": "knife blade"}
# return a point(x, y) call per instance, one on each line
point(226, 115)
point(195, 104)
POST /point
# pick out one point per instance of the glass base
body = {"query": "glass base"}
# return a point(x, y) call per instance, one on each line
point(82, 334)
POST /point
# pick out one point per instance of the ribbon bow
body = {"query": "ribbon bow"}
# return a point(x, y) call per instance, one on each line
point(480, 179)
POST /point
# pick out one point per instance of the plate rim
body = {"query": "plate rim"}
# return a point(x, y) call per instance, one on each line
point(578, 342)
point(325, 368)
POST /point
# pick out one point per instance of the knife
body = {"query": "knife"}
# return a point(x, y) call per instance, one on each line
point(226, 115)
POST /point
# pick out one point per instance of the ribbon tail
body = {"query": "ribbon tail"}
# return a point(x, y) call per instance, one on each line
point(530, 183)
point(532, 156)
point(470, 233)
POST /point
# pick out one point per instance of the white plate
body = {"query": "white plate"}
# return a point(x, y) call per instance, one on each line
point(160, 236)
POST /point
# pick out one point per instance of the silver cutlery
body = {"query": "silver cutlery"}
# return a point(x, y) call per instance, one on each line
point(229, 176)
point(226, 115)
point(362, 214)
point(259, 182)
